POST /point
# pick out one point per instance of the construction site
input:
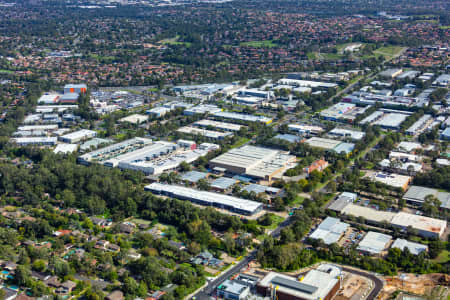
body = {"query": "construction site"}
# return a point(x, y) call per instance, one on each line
point(421, 285)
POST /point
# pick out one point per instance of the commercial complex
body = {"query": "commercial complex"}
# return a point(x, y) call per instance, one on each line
point(147, 156)
point(77, 136)
point(234, 204)
point(257, 162)
point(321, 283)
point(330, 230)
point(374, 243)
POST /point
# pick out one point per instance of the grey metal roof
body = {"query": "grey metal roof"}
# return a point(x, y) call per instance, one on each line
point(223, 183)
point(193, 176)
point(295, 285)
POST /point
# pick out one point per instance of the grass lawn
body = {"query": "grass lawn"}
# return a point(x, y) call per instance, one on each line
point(174, 41)
point(443, 257)
point(276, 220)
point(297, 201)
point(444, 27)
point(259, 44)
point(389, 51)
point(141, 221)
point(241, 142)
point(331, 56)
point(311, 55)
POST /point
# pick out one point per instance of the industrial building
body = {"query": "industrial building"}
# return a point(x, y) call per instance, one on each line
point(321, 283)
point(442, 81)
point(75, 88)
point(202, 109)
point(416, 195)
point(445, 135)
point(256, 93)
point(427, 227)
point(69, 98)
point(234, 204)
point(347, 133)
point(290, 138)
point(241, 117)
point(259, 189)
point(420, 125)
point(134, 119)
point(149, 157)
point(218, 125)
point(305, 129)
point(223, 184)
point(414, 248)
point(387, 119)
point(94, 143)
point(345, 112)
point(48, 99)
point(256, 162)
point(391, 73)
point(65, 148)
point(158, 111)
point(363, 97)
point(38, 141)
point(215, 135)
point(193, 176)
point(306, 83)
point(77, 136)
point(331, 145)
point(374, 243)
point(330, 230)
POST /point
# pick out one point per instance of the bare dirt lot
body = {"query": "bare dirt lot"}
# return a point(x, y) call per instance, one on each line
point(420, 285)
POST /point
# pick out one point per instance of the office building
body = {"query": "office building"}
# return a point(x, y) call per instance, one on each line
point(233, 204)
point(321, 283)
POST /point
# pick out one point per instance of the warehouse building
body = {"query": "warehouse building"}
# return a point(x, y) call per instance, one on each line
point(306, 83)
point(37, 141)
point(256, 93)
point(158, 111)
point(69, 98)
point(330, 230)
point(420, 125)
point(347, 133)
point(427, 227)
point(202, 109)
point(321, 283)
point(331, 145)
point(65, 148)
point(193, 176)
point(374, 243)
point(234, 204)
point(290, 138)
point(241, 117)
point(134, 119)
point(75, 88)
point(218, 125)
point(445, 135)
point(222, 184)
point(391, 120)
point(260, 189)
point(345, 112)
point(256, 162)
point(210, 134)
point(416, 195)
point(414, 248)
point(48, 99)
point(77, 136)
point(305, 129)
point(391, 73)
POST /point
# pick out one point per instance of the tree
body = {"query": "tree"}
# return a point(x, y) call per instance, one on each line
point(22, 275)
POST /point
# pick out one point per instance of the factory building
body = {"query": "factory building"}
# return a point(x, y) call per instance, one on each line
point(256, 162)
point(330, 230)
point(321, 283)
point(69, 98)
point(374, 243)
point(346, 133)
point(77, 136)
point(233, 204)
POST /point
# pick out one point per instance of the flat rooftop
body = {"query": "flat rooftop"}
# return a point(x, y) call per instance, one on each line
point(414, 248)
point(330, 230)
point(374, 242)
